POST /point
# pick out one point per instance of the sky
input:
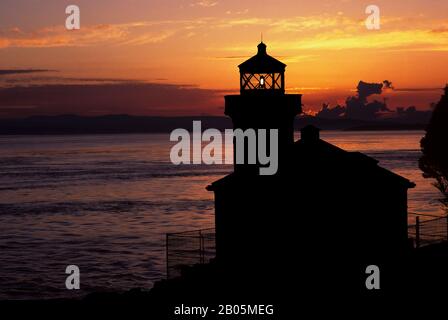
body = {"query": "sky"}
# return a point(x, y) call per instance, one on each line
point(166, 57)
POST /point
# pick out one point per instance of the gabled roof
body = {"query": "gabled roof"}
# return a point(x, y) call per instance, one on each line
point(315, 149)
point(262, 63)
point(311, 153)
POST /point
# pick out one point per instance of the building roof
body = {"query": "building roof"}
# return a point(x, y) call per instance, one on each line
point(320, 152)
point(262, 63)
point(313, 153)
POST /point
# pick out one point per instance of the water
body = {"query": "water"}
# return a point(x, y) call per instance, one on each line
point(105, 202)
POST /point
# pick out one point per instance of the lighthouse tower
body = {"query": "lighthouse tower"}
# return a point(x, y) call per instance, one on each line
point(246, 202)
point(263, 104)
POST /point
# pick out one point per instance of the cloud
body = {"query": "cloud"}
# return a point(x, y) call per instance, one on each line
point(17, 107)
point(340, 32)
point(357, 107)
point(135, 33)
point(149, 38)
point(205, 3)
point(440, 30)
point(315, 32)
point(245, 11)
point(418, 89)
point(130, 97)
point(24, 79)
point(21, 71)
point(59, 36)
point(231, 57)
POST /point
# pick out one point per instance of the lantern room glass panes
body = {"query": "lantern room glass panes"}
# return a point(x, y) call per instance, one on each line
point(261, 81)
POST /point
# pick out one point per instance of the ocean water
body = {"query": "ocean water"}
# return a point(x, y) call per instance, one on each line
point(105, 203)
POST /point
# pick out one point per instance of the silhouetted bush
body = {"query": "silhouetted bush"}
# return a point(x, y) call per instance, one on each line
point(434, 162)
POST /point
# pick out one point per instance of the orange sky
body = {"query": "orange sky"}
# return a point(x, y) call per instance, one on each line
point(200, 43)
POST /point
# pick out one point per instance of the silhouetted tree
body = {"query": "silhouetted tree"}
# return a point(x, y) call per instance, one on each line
point(434, 162)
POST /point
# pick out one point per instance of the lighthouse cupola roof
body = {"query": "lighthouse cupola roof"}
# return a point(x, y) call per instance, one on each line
point(262, 74)
point(262, 62)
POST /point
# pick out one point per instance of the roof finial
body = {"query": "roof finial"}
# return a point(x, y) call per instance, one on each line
point(262, 37)
point(261, 48)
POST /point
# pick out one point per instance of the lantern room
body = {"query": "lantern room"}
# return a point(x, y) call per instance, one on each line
point(262, 74)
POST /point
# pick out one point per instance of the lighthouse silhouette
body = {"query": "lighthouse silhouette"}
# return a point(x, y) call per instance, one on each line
point(263, 104)
point(324, 205)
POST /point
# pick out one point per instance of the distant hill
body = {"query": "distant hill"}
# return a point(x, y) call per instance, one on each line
point(72, 124)
point(110, 124)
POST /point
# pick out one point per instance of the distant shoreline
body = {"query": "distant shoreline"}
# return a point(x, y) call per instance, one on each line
point(388, 127)
point(125, 124)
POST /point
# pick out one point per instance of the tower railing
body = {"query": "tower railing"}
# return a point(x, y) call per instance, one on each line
point(188, 248)
point(428, 229)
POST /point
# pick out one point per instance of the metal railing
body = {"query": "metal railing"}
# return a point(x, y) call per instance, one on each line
point(199, 247)
point(428, 230)
point(187, 249)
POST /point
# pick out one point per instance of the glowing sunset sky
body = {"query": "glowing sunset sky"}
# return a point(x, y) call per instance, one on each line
point(182, 56)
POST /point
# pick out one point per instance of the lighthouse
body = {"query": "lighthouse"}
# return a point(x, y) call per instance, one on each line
point(324, 204)
point(263, 104)
point(246, 202)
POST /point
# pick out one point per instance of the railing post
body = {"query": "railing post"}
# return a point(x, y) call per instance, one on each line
point(166, 257)
point(201, 248)
point(417, 232)
point(447, 227)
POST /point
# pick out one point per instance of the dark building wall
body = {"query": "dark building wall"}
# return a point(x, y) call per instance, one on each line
point(265, 111)
point(270, 220)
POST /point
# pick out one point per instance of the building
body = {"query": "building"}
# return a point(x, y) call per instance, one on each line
point(323, 205)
